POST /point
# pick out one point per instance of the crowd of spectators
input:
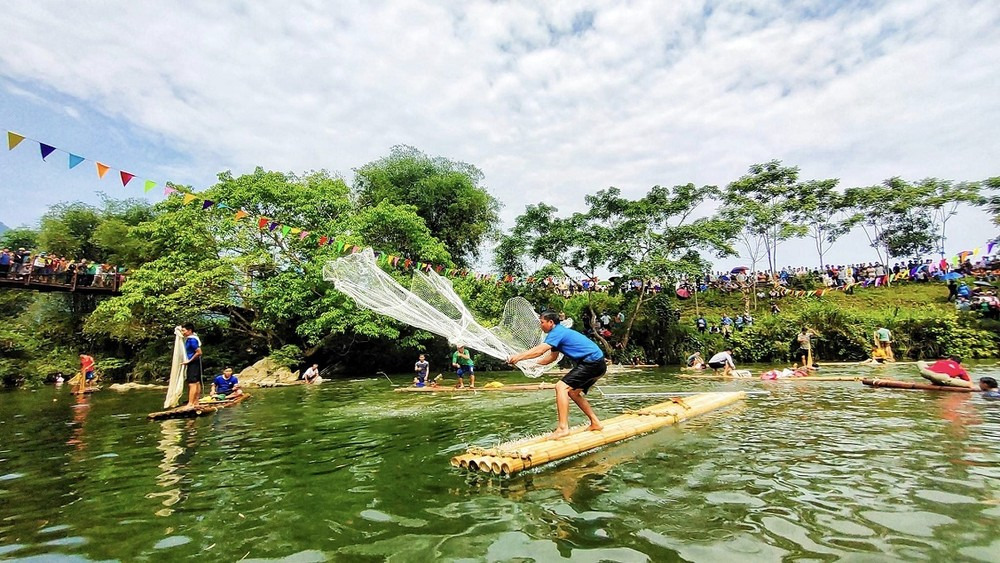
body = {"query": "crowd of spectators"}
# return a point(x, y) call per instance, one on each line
point(43, 267)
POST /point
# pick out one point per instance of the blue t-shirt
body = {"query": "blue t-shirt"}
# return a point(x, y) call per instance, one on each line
point(574, 345)
point(191, 345)
point(992, 394)
point(223, 385)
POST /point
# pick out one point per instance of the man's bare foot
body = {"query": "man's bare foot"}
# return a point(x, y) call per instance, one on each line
point(459, 386)
point(559, 433)
point(595, 427)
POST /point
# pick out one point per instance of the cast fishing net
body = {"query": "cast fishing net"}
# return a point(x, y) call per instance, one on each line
point(432, 305)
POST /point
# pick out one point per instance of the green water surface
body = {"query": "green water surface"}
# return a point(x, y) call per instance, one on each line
point(350, 471)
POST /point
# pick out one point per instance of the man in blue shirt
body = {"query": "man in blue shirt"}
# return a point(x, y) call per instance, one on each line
point(590, 366)
point(192, 354)
point(226, 384)
point(988, 385)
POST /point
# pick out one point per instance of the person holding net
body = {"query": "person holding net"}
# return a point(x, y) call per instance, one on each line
point(590, 366)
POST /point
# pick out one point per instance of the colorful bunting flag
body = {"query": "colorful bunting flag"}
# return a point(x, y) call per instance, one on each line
point(323, 239)
point(74, 160)
point(208, 203)
point(102, 169)
point(126, 177)
point(46, 149)
point(167, 190)
point(239, 215)
point(149, 185)
point(303, 235)
point(188, 198)
point(262, 222)
point(13, 139)
point(285, 230)
point(272, 226)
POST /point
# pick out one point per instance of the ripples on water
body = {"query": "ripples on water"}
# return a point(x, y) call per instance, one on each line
point(352, 471)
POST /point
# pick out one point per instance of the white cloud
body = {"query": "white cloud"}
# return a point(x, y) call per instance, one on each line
point(552, 100)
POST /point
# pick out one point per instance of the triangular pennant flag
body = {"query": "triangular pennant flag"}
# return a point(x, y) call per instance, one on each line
point(303, 235)
point(221, 206)
point(46, 149)
point(989, 248)
point(239, 215)
point(149, 185)
point(262, 222)
point(296, 230)
point(102, 169)
point(208, 203)
point(167, 190)
point(13, 139)
point(975, 251)
point(126, 178)
point(188, 198)
point(272, 226)
point(74, 160)
point(340, 246)
point(285, 230)
point(323, 239)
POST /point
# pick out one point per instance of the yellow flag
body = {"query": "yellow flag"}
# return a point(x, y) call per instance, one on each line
point(13, 139)
point(102, 169)
point(188, 198)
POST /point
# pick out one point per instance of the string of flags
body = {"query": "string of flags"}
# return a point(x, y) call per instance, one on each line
point(73, 160)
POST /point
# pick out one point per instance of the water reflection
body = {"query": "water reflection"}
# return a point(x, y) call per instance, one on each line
point(80, 410)
point(177, 437)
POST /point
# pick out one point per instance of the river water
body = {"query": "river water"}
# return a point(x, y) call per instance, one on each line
point(350, 471)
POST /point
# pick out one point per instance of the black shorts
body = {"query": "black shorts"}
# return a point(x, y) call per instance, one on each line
point(194, 372)
point(716, 365)
point(803, 351)
point(585, 375)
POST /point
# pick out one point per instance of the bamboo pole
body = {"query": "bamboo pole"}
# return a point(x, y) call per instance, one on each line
point(518, 456)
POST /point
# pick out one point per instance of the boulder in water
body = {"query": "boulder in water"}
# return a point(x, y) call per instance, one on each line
point(268, 373)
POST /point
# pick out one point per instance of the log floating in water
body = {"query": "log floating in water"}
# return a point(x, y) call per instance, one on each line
point(200, 410)
point(897, 384)
point(511, 458)
point(449, 389)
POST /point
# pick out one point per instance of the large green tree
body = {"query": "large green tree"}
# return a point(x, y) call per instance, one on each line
point(819, 208)
point(260, 285)
point(448, 195)
point(766, 201)
point(893, 217)
point(653, 237)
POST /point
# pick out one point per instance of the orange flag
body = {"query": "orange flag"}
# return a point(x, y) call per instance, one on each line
point(13, 139)
point(102, 169)
point(240, 214)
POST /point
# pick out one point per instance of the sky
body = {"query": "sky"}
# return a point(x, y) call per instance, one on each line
point(551, 100)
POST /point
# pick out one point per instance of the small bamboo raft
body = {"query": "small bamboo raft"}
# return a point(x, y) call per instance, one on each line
point(789, 379)
point(200, 410)
point(897, 384)
point(513, 457)
point(450, 389)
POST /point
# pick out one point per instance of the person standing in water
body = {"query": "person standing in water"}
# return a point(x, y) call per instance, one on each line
point(461, 360)
point(590, 366)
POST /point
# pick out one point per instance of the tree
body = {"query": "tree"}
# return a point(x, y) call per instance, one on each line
point(19, 237)
point(264, 288)
point(819, 207)
point(766, 200)
point(447, 194)
point(943, 198)
point(892, 217)
point(652, 237)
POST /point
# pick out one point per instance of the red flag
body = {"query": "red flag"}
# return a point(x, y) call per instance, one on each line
point(262, 222)
point(126, 178)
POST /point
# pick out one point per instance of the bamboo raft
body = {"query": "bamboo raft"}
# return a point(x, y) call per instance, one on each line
point(781, 379)
point(510, 458)
point(449, 389)
point(200, 410)
point(897, 384)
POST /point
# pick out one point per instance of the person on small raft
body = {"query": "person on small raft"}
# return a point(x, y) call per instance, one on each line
point(724, 361)
point(225, 386)
point(948, 371)
point(590, 366)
